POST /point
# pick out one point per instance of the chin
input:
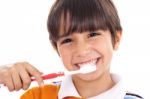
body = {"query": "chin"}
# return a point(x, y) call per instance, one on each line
point(87, 77)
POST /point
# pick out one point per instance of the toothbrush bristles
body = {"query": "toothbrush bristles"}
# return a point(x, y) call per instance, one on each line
point(87, 69)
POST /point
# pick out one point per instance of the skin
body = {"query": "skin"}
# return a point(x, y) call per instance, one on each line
point(18, 76)
point(79, 48)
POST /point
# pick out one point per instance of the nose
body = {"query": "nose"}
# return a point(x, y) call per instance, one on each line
point(82, 49)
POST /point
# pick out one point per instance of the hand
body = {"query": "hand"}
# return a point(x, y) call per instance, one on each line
point(18, 76)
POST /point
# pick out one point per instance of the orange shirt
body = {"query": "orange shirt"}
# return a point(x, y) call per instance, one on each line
point(51, 92)
point(45, 92)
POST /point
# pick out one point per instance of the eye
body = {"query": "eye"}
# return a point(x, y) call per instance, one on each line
point(67, 40)
point(93, 34)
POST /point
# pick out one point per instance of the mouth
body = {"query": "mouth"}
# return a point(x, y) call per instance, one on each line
point(92, 62)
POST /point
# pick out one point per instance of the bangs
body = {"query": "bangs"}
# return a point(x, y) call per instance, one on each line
point(76, 16)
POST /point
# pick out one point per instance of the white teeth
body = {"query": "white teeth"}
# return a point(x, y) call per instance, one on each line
point(92, 63)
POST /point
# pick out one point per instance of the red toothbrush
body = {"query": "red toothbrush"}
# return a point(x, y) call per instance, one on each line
point(50, 76)
point(46, 77)
point(85, 69)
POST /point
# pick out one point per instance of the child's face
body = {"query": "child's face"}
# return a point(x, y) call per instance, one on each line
point(83, 48)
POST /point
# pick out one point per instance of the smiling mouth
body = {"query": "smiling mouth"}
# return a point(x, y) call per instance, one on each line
point(92, 62)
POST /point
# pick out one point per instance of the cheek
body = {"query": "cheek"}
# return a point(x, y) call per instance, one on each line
point(108, 54)
point(65, 56)
point(104, 47)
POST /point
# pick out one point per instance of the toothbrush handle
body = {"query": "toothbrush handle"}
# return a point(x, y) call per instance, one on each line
point(50, 76)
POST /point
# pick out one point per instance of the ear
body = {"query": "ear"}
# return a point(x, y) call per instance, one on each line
point(117, 39)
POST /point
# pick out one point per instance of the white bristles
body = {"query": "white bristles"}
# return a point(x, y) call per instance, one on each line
point(83, 70)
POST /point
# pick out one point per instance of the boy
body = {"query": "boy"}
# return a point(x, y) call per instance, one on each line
point(84, 32)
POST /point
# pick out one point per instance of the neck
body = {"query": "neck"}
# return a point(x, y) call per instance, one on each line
point(92, 88)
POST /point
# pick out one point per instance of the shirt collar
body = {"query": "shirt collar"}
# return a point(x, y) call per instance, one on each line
point(67, 88)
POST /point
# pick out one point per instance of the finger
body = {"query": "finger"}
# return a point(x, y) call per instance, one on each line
point(1, 81)
point(1, 76)
point(24, 76)
point(3, 71)
point(8, 81)
point(26, 80)
point(16, 79)
point(35, 73)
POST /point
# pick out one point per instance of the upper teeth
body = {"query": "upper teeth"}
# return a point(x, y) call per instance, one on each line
point(92, 63)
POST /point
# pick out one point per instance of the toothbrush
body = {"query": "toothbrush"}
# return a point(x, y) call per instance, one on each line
point(83, 70)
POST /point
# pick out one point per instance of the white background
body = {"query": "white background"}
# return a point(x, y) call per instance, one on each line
point(24, 37)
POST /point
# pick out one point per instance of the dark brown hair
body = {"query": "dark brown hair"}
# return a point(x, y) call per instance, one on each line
point(82, 15)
